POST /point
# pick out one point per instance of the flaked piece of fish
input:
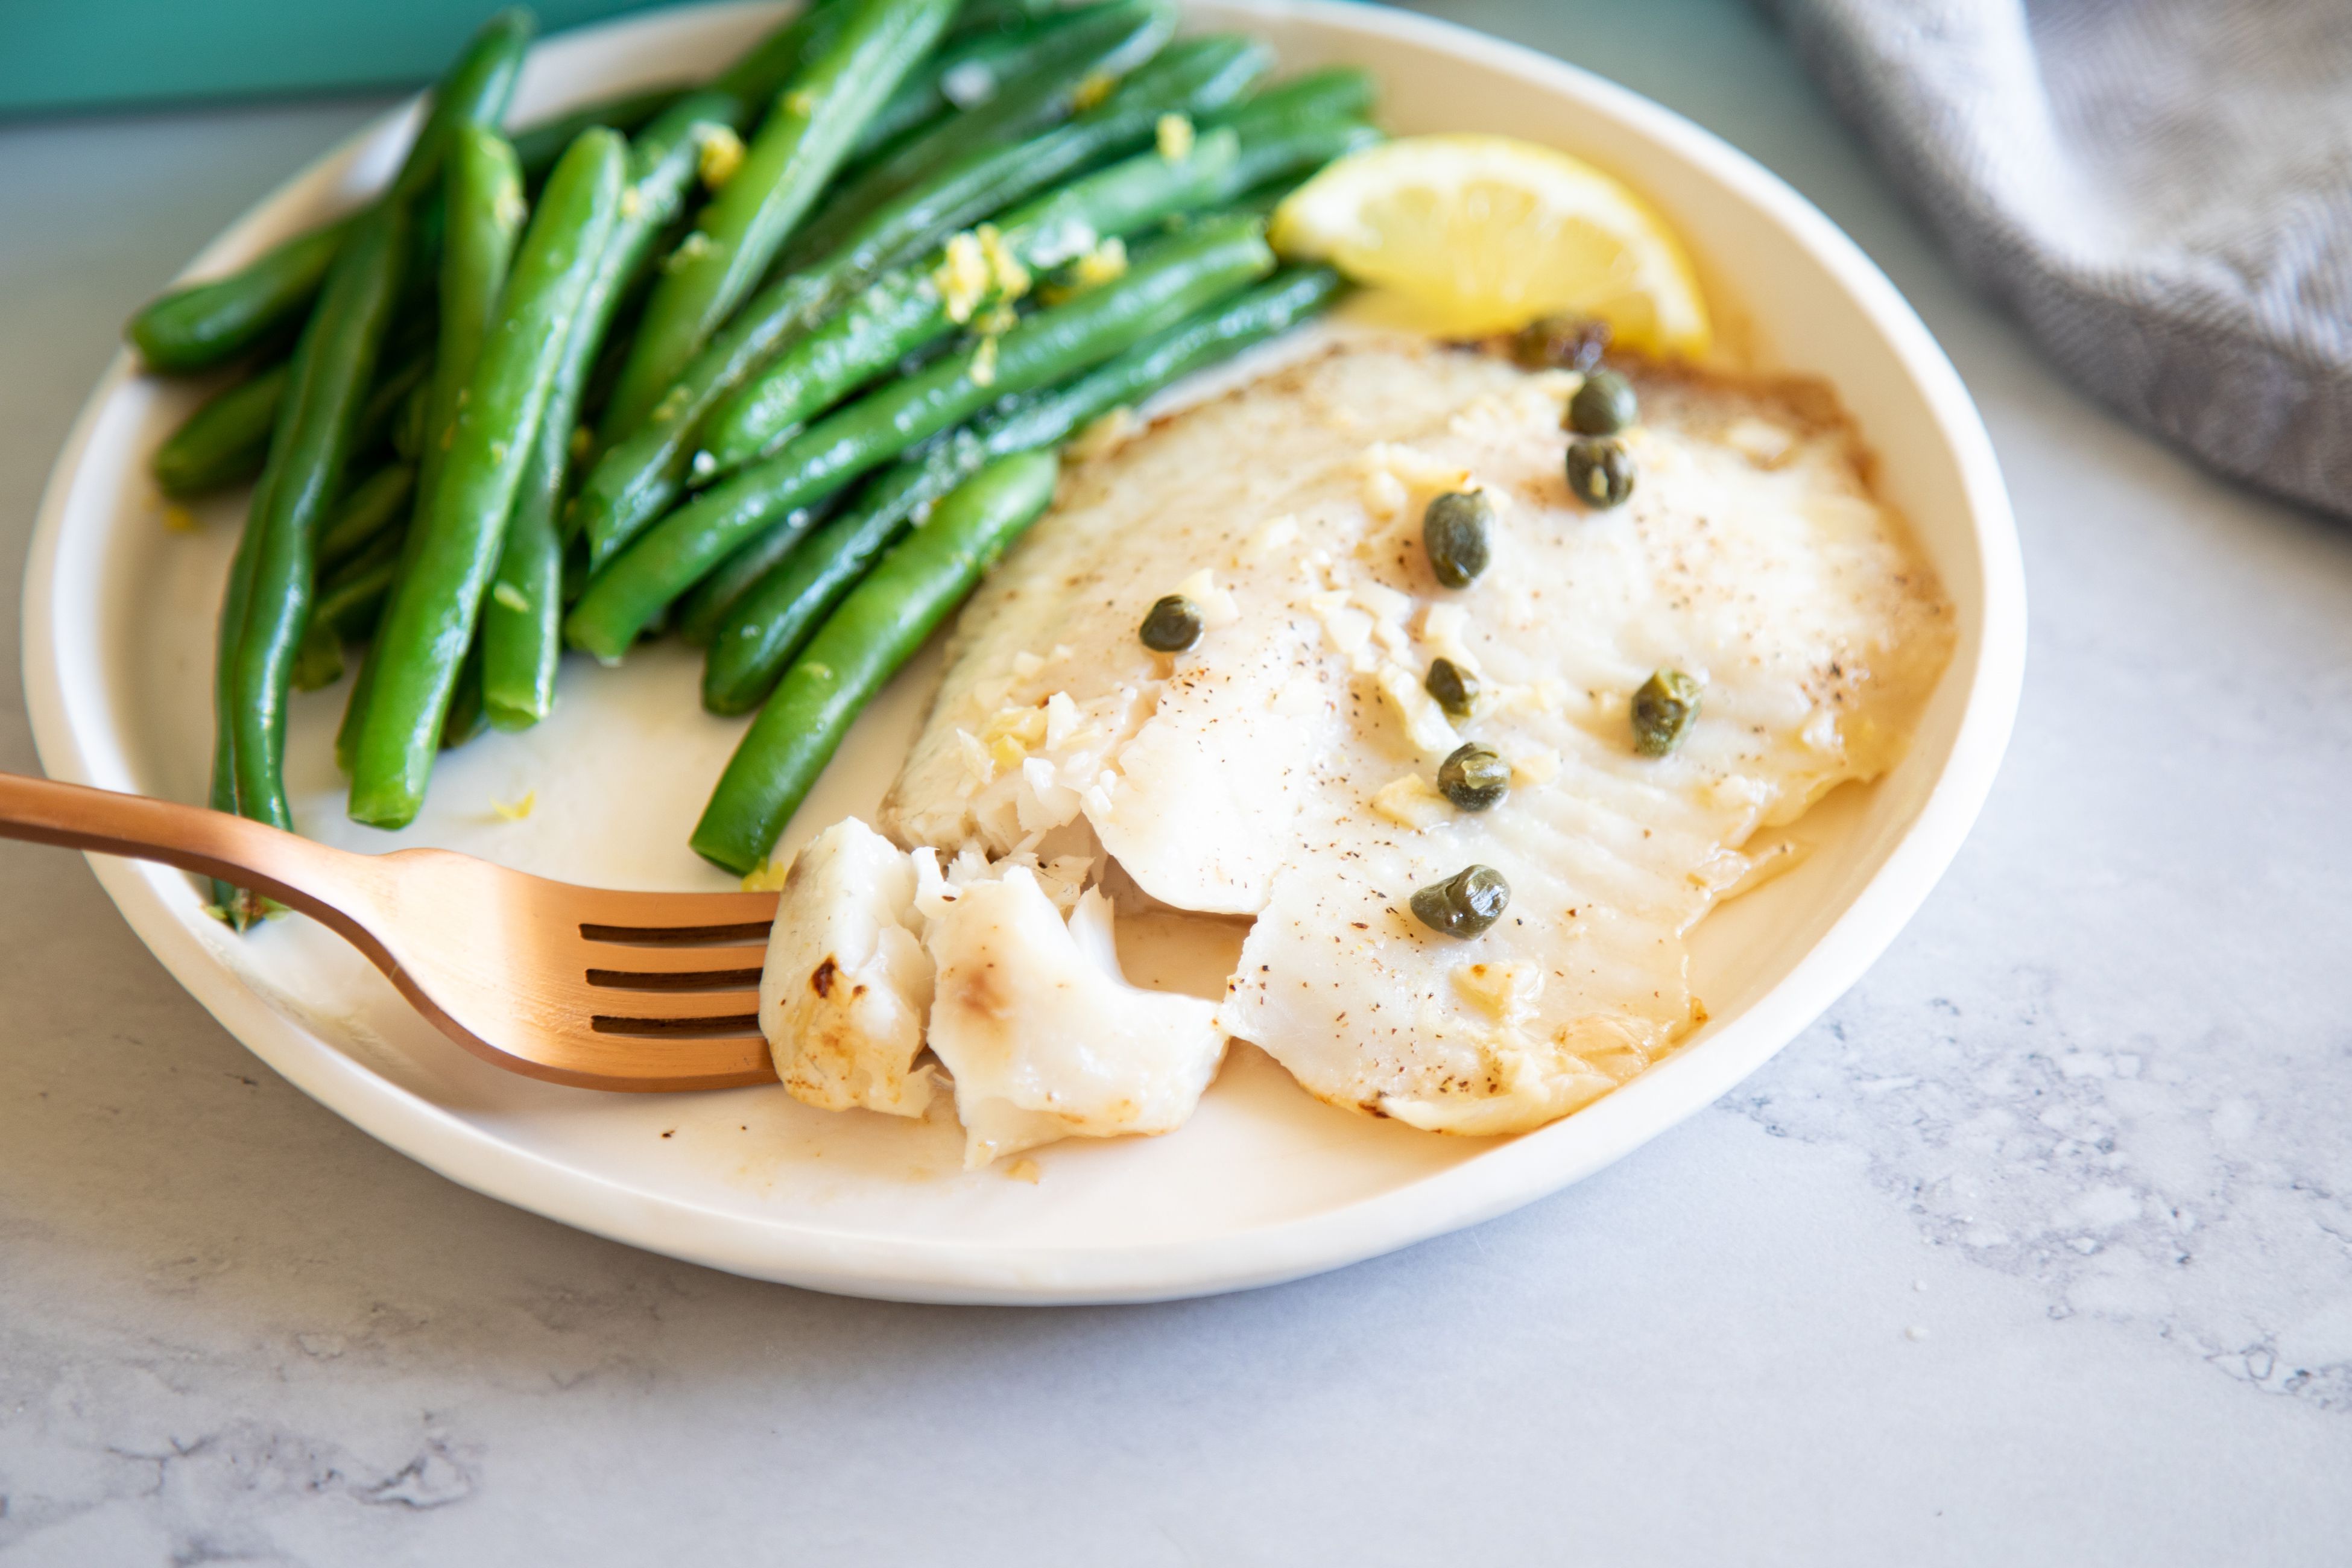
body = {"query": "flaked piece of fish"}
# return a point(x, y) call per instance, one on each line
point(1284, 767)
point(846, 983)
point(1044, 1035)
point(876, 953)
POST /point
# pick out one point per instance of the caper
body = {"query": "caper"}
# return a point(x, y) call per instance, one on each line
point(1173, 624)
point(1475, 777)
point(1603, 405)
point(1599, 471)
point(1663, 711)
point(1465, 904)
point(1457, 532)
point(1456, 689)
point(1561, 342)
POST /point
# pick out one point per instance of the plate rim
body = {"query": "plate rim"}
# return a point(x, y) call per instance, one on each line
point(1468, 1192)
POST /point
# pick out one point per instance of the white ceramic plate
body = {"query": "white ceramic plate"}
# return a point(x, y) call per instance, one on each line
point(1264, 1184)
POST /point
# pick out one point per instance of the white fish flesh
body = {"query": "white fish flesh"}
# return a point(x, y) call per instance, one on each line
point(1282, 767)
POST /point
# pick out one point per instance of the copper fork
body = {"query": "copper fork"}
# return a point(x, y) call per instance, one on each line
point(576, 986)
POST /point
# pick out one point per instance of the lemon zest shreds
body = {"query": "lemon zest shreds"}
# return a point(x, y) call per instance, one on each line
point(178, 519)
point(768, 876)
point(800, 101)
point(983, 363)
point(1093, 91)
point(1106, 262)
point(1005, 272)
point(1174, 137)
point(961, 276)
point(515, 810)
point(721, 155)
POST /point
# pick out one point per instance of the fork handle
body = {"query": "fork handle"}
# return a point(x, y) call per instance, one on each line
point(283, 866)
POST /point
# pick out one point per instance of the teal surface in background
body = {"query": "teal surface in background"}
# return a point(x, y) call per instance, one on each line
point(94, 54)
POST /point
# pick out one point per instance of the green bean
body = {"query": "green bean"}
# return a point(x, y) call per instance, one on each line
point(428, 625)
point(473, 94)
point(876, 629)
point(209, 323)
point(801, 143)
point(1169, 281)
point(522, 619)
point(236, 906)
point(324, 389)
point(485, 212)
point(767, 623)
point(639, 479)
point(484, 206)
point(700, 612)
point(371, 509)
point(907, 310)
point(224, 441)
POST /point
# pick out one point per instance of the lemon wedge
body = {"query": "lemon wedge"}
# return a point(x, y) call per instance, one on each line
point(1484, 234)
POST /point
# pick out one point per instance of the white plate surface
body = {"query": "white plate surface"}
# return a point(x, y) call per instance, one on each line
point(1264, 1184)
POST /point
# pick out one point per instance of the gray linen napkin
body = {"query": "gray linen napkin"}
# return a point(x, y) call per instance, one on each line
point(2161, 189)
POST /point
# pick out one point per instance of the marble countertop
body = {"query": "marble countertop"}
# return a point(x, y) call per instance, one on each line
point(2038, 1248)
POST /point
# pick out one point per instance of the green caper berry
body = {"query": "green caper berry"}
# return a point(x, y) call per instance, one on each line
point(1561, 342)
point(1599, 471)
point(1475, 777)
point(1173, 625)
point(1465, 904)
point(1457, 533)
point(1603, 405)
point(1664, 710)
point(1456, 689)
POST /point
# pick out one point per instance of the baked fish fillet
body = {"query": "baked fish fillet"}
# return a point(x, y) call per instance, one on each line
point(1282, 767)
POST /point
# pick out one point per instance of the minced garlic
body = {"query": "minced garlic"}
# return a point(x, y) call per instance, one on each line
point(1412, 802)
point(1424, 721)
point(1536, 765)
point(1216, 605)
